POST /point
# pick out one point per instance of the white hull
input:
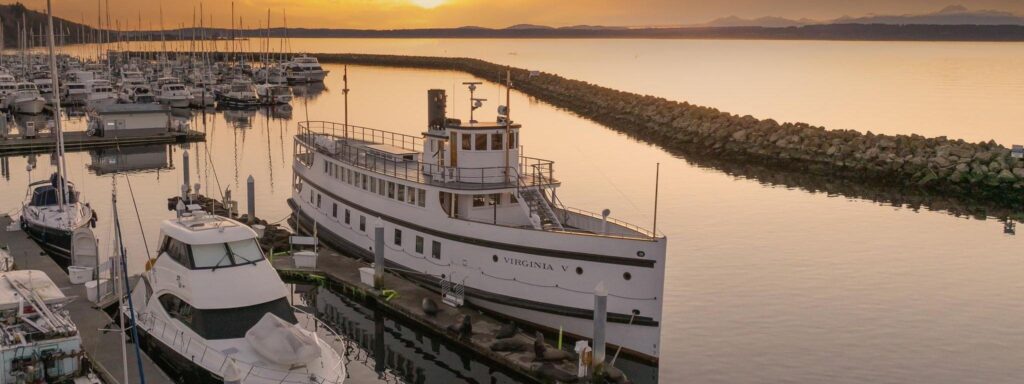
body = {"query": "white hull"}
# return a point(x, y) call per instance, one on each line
point(550, 281)
point(31, 106)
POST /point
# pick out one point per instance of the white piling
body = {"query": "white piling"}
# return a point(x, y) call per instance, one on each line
point(600, 321)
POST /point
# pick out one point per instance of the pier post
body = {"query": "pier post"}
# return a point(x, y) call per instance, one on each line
point(378, 254)
point(251, 199)
point(600, 321)
point(185, 175)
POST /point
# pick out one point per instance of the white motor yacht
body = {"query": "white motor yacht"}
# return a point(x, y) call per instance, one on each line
point(274, 94)
point(241, 94)
point(211, 285)
point(173, 93)
point(27, 100)
point(101, 93)
point(305, 69)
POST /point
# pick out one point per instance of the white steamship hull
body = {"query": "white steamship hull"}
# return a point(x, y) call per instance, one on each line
point(540, 277)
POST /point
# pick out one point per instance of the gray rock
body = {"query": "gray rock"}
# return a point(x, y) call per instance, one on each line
point(1006, 177)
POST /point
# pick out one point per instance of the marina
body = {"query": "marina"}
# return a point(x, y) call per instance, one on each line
point(515, 226)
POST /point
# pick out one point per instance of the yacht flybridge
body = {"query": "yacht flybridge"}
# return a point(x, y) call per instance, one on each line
point(211, 285)
point(463, 207)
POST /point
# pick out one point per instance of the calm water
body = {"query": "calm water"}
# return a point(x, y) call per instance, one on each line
point(765, 284)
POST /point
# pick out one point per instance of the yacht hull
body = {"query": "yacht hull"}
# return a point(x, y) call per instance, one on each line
point(175, 102)
point(56, 242)
point(180, 368)
point(31, 107)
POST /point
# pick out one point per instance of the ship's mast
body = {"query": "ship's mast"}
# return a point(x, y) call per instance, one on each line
point(62, 196)
point(508, 121)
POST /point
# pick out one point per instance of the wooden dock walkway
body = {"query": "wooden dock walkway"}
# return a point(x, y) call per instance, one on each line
point(79, 141)
point(343, 272)
point(102, 347)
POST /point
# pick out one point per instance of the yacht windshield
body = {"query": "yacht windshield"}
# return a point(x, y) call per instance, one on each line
point(226, 254)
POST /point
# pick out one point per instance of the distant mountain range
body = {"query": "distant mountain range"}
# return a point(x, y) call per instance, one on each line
point(953, 23)
point(951, 15)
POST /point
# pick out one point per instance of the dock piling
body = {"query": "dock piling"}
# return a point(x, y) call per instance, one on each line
point(378, 254)
point(600, 321)
point(250, 185)
point(185, 175)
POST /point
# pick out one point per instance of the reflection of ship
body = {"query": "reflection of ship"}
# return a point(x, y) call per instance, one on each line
point(416, 357)
point(283, 111)
point(309, 91)
point(129, 159)
point(239, 118)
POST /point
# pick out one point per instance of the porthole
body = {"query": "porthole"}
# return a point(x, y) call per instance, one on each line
point(627, 276)
point(494, 258)
point(636, 312)
point(443, 276)
point(579, 270)
point(641, 253)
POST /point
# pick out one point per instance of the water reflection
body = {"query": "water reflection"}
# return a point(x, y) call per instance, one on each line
point(130, 159)
point(397, 351)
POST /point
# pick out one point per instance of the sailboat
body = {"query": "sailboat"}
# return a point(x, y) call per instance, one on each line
point(53, 210)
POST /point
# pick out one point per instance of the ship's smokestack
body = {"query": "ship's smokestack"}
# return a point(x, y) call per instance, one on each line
point(437, 103)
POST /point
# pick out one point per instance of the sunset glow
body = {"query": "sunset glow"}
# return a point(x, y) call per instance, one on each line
point(427, 3)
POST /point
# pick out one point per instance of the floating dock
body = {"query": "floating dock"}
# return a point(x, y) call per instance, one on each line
point(101, 347)
point(80, 141)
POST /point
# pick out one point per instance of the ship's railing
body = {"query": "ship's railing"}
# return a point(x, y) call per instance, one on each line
point(530, 171)
point(354, 132)
point(215, 361)
point(592, 222)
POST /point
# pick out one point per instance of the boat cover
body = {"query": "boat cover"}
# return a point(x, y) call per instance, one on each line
point(282, 342)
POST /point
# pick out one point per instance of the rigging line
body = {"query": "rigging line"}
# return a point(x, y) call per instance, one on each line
point(135, 205)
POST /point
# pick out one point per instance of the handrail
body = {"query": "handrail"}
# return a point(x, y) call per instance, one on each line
point(633, 227)
point(428, 173)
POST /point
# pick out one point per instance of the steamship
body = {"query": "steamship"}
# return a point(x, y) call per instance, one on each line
point(466, 212)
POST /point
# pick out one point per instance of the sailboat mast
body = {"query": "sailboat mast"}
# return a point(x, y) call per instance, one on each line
point(62, 196)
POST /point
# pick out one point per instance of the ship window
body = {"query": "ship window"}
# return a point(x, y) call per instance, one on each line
point(401, 193)
point(435, 249)
point(479, 200)
point(481, 142)
point(467, 141)
point(226, 254)
point(380, 187)
point(423, 198)
point(496, 141)
point(325, 166)
point(391, 190)
point(319, 197)
point(363, 177)
point(373, 185)
point(362, 223)
point(495, 199)
point(512, 198)
point(348, 216)
point(419, 244)
point(398, 237)
point(177, 251)
point(334, 210)
point(227, 323)
point(412, 195)
point(512, 136)
point(627, 276)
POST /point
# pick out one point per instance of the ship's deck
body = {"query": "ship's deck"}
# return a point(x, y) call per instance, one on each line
point(397, 155)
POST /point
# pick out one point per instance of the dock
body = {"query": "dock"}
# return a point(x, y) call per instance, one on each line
point(101, 347)
point(80, 141)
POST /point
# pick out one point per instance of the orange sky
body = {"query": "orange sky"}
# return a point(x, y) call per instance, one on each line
point(388, 14)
